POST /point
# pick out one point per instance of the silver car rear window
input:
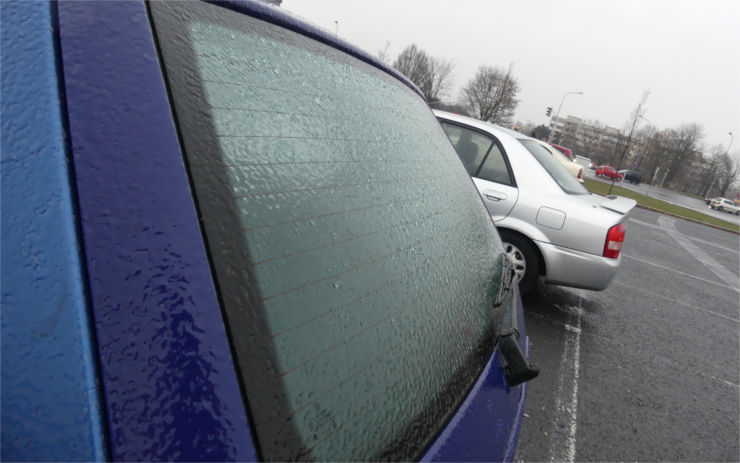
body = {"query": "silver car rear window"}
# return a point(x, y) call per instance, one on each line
point(557, 171)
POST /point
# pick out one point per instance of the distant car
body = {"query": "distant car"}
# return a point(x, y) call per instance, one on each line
point(551, 226)
point(724, 204)
point(228, 235)
point(608, 172)
point(631, 176)
point(575, 170)
point(566, 151)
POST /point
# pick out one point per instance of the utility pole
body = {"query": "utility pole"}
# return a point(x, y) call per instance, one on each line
point(652, 182)
point(664, 176)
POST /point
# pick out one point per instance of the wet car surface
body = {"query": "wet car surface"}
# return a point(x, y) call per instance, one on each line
point(214, 249)
point(647, 369)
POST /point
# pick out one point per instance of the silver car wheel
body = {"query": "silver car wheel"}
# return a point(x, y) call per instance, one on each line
point(517, 259)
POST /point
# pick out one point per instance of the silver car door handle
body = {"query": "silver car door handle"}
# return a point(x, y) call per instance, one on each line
point(494, 195)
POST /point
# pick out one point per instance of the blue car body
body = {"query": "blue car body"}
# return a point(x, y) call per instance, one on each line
point(115, 342)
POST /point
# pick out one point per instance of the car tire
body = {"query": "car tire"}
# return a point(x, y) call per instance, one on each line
point(523, 256)
point(720, 208)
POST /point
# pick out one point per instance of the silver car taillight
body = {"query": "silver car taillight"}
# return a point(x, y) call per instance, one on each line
point(614, 241)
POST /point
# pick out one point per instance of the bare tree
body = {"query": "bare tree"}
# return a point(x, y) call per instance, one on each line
point(637, 113)
point(629, 129)
point(643, 136)
point(491, 95)
point(441, 78)
point(589, 139)
point(413, 62)
point(683, 146)
point(383, 54)
point(729, 171)
point(433, 76)
point(659, 154)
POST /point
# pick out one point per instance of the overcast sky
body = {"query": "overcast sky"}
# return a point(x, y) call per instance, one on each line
point(686, 53)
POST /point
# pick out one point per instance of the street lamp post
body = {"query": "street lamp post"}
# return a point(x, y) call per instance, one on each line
point(552, 131)
point(714, 179)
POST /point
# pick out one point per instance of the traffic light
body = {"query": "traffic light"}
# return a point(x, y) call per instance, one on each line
point(549, 110)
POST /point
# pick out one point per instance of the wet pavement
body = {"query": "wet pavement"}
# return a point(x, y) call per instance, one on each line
point(648, 369)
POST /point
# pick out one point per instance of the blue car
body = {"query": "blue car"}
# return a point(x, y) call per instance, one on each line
point(228, 235)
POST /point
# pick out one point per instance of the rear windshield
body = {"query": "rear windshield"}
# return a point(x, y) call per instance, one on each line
point(354, 258)
point(557, 171)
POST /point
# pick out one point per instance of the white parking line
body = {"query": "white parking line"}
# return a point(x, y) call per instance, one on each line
point(679, 272)
point(667, 361)
point(675, 301)
point(631, 349)
point(692, 238)
point(568, 389)
point(669, 225)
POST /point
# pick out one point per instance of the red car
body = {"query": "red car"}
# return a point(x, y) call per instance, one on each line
point(566, 151)
point(609, 172)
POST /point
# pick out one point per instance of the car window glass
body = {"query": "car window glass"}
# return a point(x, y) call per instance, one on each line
point(556, 152)
point(471, 146)
point(557, 171)
point(494, 168)
point(354, 258)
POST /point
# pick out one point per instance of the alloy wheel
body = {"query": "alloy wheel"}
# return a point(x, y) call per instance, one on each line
point(517, 259)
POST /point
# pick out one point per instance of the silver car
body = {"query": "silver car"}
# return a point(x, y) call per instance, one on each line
point(724, 204)
point(551, 226)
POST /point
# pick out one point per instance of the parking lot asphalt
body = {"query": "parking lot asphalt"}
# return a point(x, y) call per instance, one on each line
point(648, 369)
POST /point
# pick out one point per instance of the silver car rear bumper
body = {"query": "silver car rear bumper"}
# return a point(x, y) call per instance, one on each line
point(577, 269)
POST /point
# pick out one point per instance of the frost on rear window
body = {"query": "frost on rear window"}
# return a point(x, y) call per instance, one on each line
point(354, 258)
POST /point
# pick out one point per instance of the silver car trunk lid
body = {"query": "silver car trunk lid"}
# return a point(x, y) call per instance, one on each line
point(614, 203)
